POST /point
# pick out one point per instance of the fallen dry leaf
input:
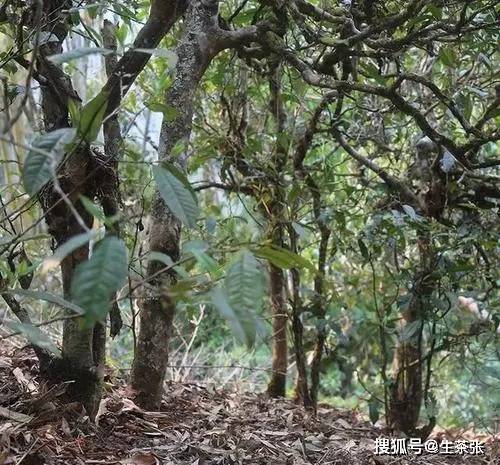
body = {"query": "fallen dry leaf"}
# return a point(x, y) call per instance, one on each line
point(140, 459)
point(15, 416)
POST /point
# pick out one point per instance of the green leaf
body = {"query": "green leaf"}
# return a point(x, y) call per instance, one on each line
point(91, 117)
point(169, 55)
point(81, 52)
point(243, 330)
point(35, 336)
point(466, 106)
point(372, 71)
point(244, 288)
point(374, 410)
point(162, 258)
point(435, 11)
point(448, 56)
point(206, 263)
point(404, 302)
point(363, 249)
point(68, 247)
point(176, 192)
point(169, 112)
point(43, 157)
point(95, 280)
point(93, 209)
point(47, 297)
point(121, 33)
point(74, 109)
point(283, 258)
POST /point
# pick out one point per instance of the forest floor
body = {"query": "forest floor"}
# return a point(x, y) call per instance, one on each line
point(195, 426)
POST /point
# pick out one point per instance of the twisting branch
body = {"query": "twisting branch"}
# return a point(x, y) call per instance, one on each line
point(162, 16)
point(392, 182)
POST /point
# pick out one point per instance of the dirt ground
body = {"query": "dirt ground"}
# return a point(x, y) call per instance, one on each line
point(195, 426)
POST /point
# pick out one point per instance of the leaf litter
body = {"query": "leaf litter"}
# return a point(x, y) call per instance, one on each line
point(195, 426)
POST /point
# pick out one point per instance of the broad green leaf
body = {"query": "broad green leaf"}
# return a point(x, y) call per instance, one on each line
point(162, 258)
point(448, 56)
point(283, 258)
point(176, 192)
point(47, 297)
point(363, 249)
point(372, 71)
point(91, 117)
point(95, 280)
point(81, 52)
point(121, 33)
point(168, 262)
point(244, 288)
point(435, 11)
point(404, 302)
point(42, 159)
point(195, 245)
point(206, 262)
point(74, 109)
point(465, 104)
point(239, 330)
point(169, 112)
point(93, 209)
point(68, 247)
point(35, 336)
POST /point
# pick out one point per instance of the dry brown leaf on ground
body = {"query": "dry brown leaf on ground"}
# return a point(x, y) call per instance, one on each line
point(140, 459)
point(196, 426)
point(14, 416)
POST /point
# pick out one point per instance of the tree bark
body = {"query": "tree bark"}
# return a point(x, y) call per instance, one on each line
point(277, 383)
point(194, 53)
point(109, 192)
point(319, 304)
point(301, 385)
point(202, 40)
point(77, 356)
point(275, 213)
point(83, 348)
point(406, 391)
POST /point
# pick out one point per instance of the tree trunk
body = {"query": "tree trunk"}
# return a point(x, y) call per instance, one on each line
point(201, 41)
point(194, 54)
point(406, 391)
point(301, 385)
point(83, 348)
point(319, 286)
point(275, 212)
point(77, 358)
point(277, 383)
